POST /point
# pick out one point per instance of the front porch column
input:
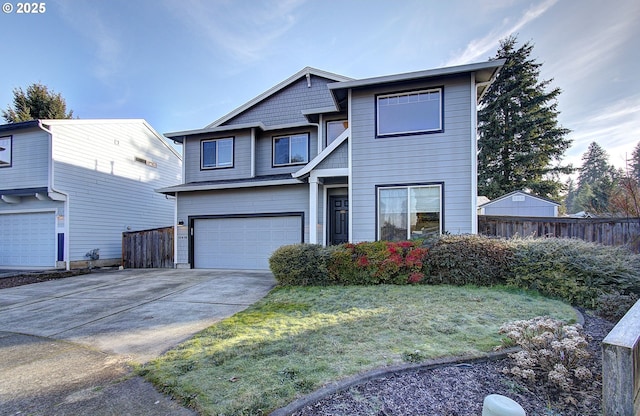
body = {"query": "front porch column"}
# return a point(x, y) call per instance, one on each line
point(313, 210)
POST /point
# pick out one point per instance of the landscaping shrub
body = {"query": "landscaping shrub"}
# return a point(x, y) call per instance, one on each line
point(300, 264)
point(574, 270)
point(378, 262)
point(613, 306)
point(552, 353)
point(469, 259)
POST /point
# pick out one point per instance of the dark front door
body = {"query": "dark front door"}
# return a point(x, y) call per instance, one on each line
point(338, 219)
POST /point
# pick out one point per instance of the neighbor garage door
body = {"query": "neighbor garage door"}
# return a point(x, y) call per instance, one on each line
point(27, 240)
point(242, 243)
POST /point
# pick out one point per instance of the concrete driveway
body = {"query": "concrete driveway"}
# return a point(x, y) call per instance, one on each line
point(64, 344)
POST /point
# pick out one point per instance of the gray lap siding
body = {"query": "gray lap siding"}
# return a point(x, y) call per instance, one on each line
point(271, 200)
point(444, 157)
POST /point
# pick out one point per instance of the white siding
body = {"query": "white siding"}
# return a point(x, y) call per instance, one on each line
point(30, 161)
point(109, 191)
point(429, 158)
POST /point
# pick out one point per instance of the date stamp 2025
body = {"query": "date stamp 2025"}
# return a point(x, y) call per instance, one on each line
point(24, 8)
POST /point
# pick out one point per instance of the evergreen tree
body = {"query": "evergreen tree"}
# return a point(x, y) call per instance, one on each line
point(595, 165)
point(521, 143)
point(597, 180)
point(634, 163)
point(37, 103)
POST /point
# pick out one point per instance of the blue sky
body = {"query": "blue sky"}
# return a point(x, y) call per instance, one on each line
point(181, 64)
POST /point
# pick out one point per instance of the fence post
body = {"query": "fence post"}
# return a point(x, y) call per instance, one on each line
point(621, 366)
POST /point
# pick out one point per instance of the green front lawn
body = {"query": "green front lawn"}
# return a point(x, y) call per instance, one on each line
point(298, 339)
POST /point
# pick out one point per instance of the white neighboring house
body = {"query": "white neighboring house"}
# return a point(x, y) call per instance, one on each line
point(520, 204)
point(70, 188)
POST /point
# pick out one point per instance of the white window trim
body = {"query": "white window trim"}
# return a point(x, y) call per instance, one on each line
point(217, 166)
point(410, 132)
point(408, 188)
point(289, 136)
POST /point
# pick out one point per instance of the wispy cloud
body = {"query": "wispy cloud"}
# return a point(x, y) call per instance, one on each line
point(481, 48)
point(243, 30)
point(105, 44)
point(616, 127)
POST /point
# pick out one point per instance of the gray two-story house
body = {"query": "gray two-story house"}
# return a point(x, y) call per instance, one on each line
point(325, 159)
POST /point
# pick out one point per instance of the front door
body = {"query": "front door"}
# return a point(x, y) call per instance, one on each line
point(338, 219)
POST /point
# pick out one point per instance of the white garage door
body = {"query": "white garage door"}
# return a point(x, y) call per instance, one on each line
point(242, 243)
point(27, 240)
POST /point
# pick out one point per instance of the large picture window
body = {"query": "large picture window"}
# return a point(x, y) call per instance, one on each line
point(409, 113)
point(291, 150)
point(5, 151)
point(217, 153)
point(406, 212)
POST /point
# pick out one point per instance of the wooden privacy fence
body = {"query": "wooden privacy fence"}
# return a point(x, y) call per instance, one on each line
point(607, 231)
point(148, 248)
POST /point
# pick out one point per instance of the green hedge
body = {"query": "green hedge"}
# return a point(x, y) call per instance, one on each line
point(572, 270)
point(470, 259)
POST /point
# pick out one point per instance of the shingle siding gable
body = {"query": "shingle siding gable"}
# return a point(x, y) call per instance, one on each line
point(286, 106)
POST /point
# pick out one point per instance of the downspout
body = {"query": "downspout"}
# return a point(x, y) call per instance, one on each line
point(474, 154)
point(53, 190)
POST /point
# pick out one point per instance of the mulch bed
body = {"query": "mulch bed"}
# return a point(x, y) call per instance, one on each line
point(28, 278)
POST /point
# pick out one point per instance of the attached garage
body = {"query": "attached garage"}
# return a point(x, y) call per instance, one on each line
point(242, 242)
point(27, 240)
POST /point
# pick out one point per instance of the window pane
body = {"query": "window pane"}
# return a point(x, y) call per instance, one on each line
point(225, 152)
point(281, 151)
point(5, 151)
point(392, 210)
point(424, 207)
point(409, 113)
point(335, 129)
point(209, 154)
point(299, 145)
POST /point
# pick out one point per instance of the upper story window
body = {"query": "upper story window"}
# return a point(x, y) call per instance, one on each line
point(335, 129)
point(5, 151)
point(291, 150)
point(216, 153)
point(412, 112)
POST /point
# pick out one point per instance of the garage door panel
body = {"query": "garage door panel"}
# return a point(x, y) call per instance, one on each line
point(27, 240)
point(242, 243)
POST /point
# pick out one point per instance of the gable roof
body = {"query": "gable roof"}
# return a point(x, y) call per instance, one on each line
point(305, 72)
point(510, 194)
point(484, 74)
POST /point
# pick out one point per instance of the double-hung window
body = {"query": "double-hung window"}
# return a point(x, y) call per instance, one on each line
point(412, 112)
point(406, 212)
point(216, 153)
point(291, 150)
point(5, 151)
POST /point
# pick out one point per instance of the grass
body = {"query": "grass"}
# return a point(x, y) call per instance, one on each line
point(297, 339)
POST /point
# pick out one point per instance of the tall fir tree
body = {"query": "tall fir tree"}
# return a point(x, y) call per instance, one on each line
point(596, 181)
point(634, 163)
point(37, 103)
point(521, 144)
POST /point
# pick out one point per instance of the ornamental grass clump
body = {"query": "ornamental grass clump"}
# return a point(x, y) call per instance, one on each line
point(553, 353)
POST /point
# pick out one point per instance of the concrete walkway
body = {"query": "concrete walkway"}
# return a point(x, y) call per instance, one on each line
point(65, 345)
